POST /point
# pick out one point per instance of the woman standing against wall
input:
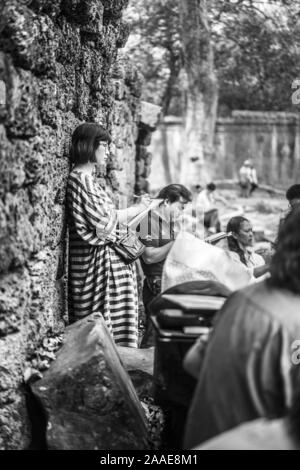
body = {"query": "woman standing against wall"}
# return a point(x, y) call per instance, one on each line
point(100, 281)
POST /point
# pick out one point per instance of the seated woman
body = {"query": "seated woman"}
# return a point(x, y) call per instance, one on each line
point(99, 279)
point(240, 245)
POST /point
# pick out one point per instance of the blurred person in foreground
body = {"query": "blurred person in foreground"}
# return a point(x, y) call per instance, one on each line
point(293, 195)
point(247, 369)
point(262, 433)
point(293, 198)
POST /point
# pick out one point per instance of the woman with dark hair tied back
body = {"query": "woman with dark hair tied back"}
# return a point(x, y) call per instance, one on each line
point(240, 244)
point(100, 281)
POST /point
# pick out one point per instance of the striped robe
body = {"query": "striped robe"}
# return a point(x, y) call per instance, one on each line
point(99, 280)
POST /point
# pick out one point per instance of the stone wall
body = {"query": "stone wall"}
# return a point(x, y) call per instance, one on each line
point(150, 115)
point(270, 139)
point(58, 67)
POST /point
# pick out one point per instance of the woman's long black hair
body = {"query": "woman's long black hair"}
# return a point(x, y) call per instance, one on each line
point(234, 226)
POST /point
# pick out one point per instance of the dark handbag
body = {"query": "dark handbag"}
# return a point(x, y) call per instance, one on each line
point(129, 247)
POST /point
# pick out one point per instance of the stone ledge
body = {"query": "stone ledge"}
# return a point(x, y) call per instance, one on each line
point(150, 114)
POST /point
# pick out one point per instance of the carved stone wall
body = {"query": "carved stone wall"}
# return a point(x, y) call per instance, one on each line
point(59, 66)
point(270, 139)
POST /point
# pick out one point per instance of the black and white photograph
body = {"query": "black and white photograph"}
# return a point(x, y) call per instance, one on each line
point(149, 228)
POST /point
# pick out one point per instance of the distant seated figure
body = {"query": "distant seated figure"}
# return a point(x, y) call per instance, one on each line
point(293, 197)
point(206, 202)
point(245, 178)
point(240, 245)
point(253, 178)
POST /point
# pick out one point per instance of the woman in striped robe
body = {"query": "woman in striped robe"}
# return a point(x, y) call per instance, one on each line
point(99, 279)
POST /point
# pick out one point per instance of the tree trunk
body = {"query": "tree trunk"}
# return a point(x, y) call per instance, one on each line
point(201, 92)
point(174, 67)
point(165, 155)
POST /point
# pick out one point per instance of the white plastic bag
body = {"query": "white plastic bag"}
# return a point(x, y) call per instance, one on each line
point(191, 259)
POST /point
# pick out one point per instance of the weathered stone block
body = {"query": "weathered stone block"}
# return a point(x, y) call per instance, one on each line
point(148, 158)
point(87, 13)
point(20, 239)
point(142, 152)
point(15, 298)
point(113, 8)
point(123, 35)
point(28, 37)
point(14, 424)
point(22, 104)
point(119, 89)
point(134, 81)
point(14, 421)
point(88, 398)
point(139, 364)
point(150, 114)
point(147, 171)
point(144, 137)
point(140, 167)
point(118, 70)
point(69, 44)
point(141, 185)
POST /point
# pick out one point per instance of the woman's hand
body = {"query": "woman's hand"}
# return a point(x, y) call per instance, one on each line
point(145, 201)
point(125, 215)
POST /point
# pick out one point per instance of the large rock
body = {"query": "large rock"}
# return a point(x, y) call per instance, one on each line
point(88, 397)
point(139, 364)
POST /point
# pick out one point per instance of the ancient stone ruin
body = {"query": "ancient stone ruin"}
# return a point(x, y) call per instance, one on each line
point(271, 139)
point(60, 65)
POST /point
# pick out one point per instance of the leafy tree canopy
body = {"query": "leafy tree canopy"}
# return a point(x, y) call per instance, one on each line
point(257, 52)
